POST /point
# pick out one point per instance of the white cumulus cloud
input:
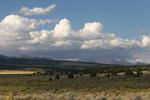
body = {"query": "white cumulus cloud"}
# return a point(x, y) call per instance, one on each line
point(17, 30)
point(39, 37)
point(145, 41)
point(62, 29)
point(90, 36)
point(36, 10)
point(20, 33)
point(14, 28)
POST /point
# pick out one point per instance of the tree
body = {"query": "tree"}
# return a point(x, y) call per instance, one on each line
point(70, 76)
point(139, 73)
point(81, 74)
point(93, 74)
point(107, 73)
point(57, 76)
point(113, 73)
point(50, 79)
point(129, 73)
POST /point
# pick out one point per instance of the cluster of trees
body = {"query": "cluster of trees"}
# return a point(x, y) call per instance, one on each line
point(109, 72)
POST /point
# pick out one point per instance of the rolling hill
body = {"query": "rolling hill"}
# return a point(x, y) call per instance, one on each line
point(44, 63)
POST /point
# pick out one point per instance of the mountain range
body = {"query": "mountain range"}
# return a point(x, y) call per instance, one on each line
point(25, 62)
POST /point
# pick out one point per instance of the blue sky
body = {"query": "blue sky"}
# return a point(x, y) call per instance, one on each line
point(123, 17)
point(109, 24)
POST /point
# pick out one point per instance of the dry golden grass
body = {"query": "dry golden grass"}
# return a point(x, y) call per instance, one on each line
point(103, 95)
point(15, 72)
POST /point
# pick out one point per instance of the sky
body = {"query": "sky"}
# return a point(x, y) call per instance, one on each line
point(76, 29)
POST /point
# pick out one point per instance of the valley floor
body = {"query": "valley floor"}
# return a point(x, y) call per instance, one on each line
point(32, 87)
point(103, 95)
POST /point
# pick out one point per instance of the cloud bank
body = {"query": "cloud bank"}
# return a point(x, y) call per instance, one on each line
point(21, 35)
point(90, 36)
point(14, 28)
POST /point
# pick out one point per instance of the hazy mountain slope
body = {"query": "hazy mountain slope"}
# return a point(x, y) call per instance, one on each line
point(27, 62)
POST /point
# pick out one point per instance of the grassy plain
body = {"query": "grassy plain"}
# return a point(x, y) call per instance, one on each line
point(39, 87)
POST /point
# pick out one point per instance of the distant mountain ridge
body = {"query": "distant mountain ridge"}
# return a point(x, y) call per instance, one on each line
point(108, 61)
point(2, 56)
point(24, 62)
point(39, 62)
